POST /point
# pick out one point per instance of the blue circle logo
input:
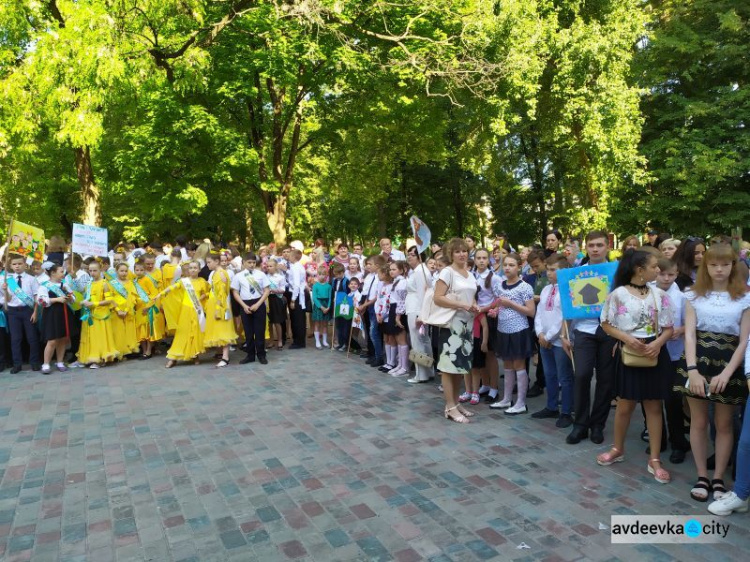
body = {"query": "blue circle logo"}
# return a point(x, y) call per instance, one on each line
point(693, 528)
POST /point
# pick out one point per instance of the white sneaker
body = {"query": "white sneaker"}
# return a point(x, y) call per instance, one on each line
point(399, 373)
point(500, 405)
point(728, 504)
point(76, 365)
point(318, 346)
point(414, 380)
point(515, 410)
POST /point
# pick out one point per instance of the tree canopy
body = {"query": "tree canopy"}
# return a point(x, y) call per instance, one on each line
point(269, 119)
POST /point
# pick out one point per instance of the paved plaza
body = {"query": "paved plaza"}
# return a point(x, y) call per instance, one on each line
point(312, 457)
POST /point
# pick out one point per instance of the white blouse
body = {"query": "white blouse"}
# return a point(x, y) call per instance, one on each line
point(717, 312)
point(636, 315)
point(417, 283)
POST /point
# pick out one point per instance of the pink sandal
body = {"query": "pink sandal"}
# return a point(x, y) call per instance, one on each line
point(660, 475)
point(610, 457)
point(460, 418)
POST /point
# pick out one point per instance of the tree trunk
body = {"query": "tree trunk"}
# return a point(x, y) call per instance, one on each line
point(276, 217)
point(248, 228)
point(92, 213)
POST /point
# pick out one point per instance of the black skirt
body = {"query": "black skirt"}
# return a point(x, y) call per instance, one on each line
point(57, 322)
point(276, 309)
point(492, 327)
point(644, 383)
point(518, 345)
point(388, 326)
point(713, 352)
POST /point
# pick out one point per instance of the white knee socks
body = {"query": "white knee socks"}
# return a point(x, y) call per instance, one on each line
point(523, 387)
point(403, 355)
point(510, 382)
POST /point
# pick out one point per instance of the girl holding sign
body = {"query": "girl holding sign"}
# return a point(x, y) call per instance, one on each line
point(97, 342)
point(192, 291)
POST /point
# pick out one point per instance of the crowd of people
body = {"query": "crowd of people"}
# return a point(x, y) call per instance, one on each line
point(673, 330)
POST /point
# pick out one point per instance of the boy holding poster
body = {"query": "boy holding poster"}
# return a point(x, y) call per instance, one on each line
point(592, 349)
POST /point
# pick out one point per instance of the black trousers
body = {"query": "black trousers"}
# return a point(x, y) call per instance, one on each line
point(19, 325)
point(254, 326)
point(589, 353)
point(3, 344)
point(298, 319)
point(366, 329)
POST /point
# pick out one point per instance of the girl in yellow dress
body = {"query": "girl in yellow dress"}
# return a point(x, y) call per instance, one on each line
point(219, 322)
point(123, 319)
point(191, 291)
point(149, 320)
point(169, 304)
point(97, 342)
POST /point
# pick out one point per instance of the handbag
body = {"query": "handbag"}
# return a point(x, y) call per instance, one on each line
point(421, 358)
point(435, 315)
point(633, 358)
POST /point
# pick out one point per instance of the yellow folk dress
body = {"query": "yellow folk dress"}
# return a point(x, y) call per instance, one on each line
point(170, 304)
point(188, 340)
point(149, 320)
point(97, 340)
point(219, 320)
point(123, 327)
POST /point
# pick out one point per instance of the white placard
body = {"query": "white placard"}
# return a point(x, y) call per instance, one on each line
point(89, 240)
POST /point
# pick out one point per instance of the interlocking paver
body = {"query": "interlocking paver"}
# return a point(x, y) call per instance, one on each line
point(312, 457)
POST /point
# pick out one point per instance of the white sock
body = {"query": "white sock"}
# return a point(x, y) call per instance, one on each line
point(510, 382)
point(325, 337)
point(403, 353)
point(317, 338)
point(493, 393)
point(523, 387)
point(483, 389)
point(61, 364)
point(391, 354)
point(46, 365)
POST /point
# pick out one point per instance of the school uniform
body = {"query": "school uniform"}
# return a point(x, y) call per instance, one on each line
point(20, 291)
point(298, 283)
point(394, 307)
point(342, 326)
point(375, 335)
point(276, 300)
point(250, 285)
point(369, 280)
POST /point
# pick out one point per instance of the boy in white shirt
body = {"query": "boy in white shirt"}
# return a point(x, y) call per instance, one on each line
point(676, 346)
point(558, 367)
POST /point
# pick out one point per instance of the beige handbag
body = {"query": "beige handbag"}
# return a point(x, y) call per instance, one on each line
point(434, 315)
point(421, 358)
point(632, 358)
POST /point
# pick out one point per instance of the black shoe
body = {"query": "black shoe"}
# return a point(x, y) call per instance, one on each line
point(296, 346)
point(2, 367)
point(383, 368)
point(488, 399)
point(534, 391)
point(364, 356)
point(644, 435)
point(597, 435)
point(377, 363)
point(263, 360)
point(36, 367)
point(565, 420)
point(544, 414)
point(370, 361)
point(677, 456)
point(247, 360)
point(15, 369)
point(577, 435)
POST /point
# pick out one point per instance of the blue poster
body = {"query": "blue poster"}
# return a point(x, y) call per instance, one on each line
point(344, 307)
point(584, 289)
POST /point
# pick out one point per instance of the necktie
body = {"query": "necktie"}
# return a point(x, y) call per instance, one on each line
point(18, 278)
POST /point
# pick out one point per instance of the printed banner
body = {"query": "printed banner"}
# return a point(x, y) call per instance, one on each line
point(422, 234)
point(344, 307)
point(89, 240)
point(26, 240)
point(584, 289)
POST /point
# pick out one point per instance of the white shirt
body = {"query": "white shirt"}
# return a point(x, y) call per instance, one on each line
point(247, 291)
point(29, 285)
point(298, 283)
point(417, 283)
point(717, 312)
point(676, 347)
point(487, 295)
point(396, 255)
point(43, 296)
point(548, 320)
